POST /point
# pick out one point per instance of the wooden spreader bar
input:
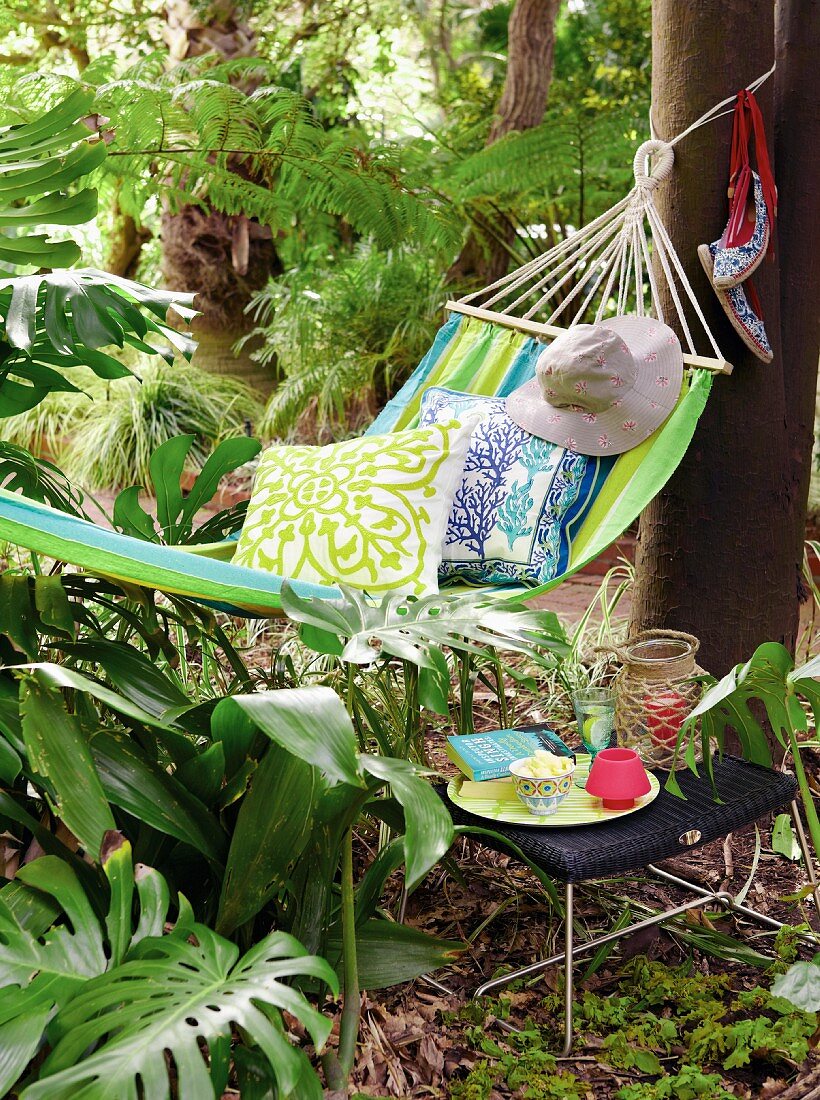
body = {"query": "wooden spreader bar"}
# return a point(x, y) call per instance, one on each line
point(536, 328)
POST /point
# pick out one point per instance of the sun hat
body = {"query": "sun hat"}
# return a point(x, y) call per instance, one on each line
point(601, 389)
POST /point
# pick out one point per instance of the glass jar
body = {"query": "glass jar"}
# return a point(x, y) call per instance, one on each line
point(655, 692)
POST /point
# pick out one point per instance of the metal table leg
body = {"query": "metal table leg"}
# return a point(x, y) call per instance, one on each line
point(569, 976)
point(734, 906)
point(570, 952)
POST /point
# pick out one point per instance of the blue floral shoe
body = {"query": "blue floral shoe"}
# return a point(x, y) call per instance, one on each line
point(750, 239)
point(745, 321)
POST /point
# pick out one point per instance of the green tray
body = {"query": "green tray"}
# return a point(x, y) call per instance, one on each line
point(496, 800)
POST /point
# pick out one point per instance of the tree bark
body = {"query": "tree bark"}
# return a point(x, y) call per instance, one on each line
point(797, 155)
point(124, 242)
point(225, 259)
point(716, 553)
point(521, 107)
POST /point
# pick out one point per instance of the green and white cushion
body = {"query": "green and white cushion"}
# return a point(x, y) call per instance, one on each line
point(369, 512)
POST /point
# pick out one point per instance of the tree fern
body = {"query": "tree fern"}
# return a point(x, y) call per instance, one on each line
point(192, 136)
point(355, 329)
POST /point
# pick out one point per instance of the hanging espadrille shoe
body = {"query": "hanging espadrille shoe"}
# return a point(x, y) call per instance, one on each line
point(736, 261)
point(742, 309)
point(752, 200)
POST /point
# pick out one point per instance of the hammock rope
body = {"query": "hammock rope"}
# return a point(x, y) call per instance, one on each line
point(607, 262)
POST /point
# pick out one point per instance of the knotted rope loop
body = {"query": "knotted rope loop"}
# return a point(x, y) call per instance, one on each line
point(648, 662)
point(663, 156)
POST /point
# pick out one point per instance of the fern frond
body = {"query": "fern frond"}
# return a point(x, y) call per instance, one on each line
point(194, 137)
point(356, 329)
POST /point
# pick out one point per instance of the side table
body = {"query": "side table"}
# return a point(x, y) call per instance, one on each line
point(661, 830)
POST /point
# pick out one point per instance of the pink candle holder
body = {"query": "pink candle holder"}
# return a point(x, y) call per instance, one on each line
point(618, 778)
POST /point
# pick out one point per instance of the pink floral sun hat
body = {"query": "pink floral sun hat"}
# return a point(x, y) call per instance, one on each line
point(602, 389)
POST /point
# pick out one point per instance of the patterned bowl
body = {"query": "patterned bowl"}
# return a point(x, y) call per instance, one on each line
point(541, 796)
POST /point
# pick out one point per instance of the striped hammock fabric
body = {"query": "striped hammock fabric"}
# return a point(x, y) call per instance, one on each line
point(468, 355)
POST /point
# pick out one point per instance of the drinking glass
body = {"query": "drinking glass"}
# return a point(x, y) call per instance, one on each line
point(595, 714)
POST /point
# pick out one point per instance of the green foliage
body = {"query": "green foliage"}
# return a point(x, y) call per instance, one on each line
point(345, 335)
point(192, 134)
point(690, 1083)
point(572, 166)
point(412, 629)
point(769, 678)
point(602, 56)
point(21, 472)
point(800, 985)
point(202, 788)
point(176, 509)
point(39, 160)
point(62, 319)
point(784, 840)
point(129, 420)
point(524, 1064)
point(654, 1016)
point(88, 988)
point(387, 708)
point(114, 440)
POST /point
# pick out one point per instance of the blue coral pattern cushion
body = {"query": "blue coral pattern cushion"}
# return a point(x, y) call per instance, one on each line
point(520, 499)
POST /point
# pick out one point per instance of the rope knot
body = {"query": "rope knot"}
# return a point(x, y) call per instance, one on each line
point(663, 157)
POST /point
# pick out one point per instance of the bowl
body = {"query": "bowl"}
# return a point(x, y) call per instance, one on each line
point(618, 778)
point(544, 794)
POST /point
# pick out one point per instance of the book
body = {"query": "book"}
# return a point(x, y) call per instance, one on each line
point(484, 756)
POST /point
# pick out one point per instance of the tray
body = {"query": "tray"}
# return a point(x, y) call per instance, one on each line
point(496, 800)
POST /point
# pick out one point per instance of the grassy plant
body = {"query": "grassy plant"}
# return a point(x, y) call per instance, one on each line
point(587, 663)
point(46, 429)
point(114, 438)
point(104, 436)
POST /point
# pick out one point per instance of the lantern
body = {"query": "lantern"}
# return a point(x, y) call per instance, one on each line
point(655, 692)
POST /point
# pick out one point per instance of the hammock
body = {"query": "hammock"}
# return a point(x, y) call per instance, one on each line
point(488, 346)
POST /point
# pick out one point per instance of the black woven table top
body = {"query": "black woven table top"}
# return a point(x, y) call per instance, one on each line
point(597, 851)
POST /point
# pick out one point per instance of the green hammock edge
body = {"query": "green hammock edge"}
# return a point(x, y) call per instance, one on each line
point(197, 575)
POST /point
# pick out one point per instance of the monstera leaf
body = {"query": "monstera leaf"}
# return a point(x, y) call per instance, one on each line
point(21, 472)
point(45, 960)
point(206, 990)
point(101, 977)
point(360, 631)
point(38, 160)
point(769, 678)
point(62, 319)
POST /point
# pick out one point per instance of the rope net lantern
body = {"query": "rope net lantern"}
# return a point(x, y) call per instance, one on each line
point(655, 690)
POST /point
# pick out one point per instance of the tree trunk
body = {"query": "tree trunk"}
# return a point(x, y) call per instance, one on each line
point(124, 242)
point(521, 107)
point(716, 554)
point(797, 154)
point(225, 259)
